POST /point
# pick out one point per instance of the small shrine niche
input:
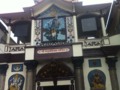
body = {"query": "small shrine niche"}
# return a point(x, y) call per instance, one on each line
point(97, 80)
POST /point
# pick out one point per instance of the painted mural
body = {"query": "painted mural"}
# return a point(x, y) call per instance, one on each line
point(16, 82)
point(17, 67)
point(54, 25)
point(53, 29)
point(94, 63)
point(96, 79)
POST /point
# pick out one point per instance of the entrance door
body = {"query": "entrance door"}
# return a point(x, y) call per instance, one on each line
point(64, 87)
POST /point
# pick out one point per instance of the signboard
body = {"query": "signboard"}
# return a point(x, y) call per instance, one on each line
point(92, 43)
point(53, 52)
point(14, 48)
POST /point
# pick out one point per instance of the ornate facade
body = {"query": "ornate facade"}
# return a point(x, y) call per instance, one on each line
point(62, 45)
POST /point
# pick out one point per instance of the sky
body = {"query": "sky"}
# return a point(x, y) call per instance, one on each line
point(7, 6)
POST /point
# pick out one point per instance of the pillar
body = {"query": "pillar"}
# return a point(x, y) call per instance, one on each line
point(30, 74)
point(78, 72)
point(3, 69)
point(9, 33)
point(103, 26)
point(32, 31)
point(111, 61)
point(75, 28)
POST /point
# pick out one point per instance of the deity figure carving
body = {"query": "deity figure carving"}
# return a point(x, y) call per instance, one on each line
point(97, 80)
point(16, 82)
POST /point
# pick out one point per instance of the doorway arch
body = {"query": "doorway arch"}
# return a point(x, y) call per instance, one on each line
point(53, 71)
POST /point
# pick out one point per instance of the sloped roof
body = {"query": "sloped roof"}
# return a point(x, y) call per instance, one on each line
point(17, 15)
point(45, 4)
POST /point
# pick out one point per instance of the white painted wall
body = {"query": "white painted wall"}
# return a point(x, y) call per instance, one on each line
point(77, 50)
point(2, 47)
point(29, 54)
point(104, 68)
point(118, 69)
point(114, 40)
point(9, 74)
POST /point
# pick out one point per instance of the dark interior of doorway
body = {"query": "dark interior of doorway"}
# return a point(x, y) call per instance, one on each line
point(63, 87)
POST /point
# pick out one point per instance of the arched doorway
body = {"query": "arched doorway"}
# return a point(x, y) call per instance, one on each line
point(55, 71)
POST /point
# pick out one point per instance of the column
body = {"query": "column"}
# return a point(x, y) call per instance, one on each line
point(9, 33)
point(103, 26)
point(78, 71)
point(32, 31)
point(3, 69)
point(30, 74)
point(111, 61)
point(75, 28)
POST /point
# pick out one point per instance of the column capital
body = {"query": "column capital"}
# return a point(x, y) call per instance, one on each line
point(111, 61)
point(74, 14)
point(3, 68)
point(33, 18)
point(78, 62)
point(9, 22)
point(31, 65)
